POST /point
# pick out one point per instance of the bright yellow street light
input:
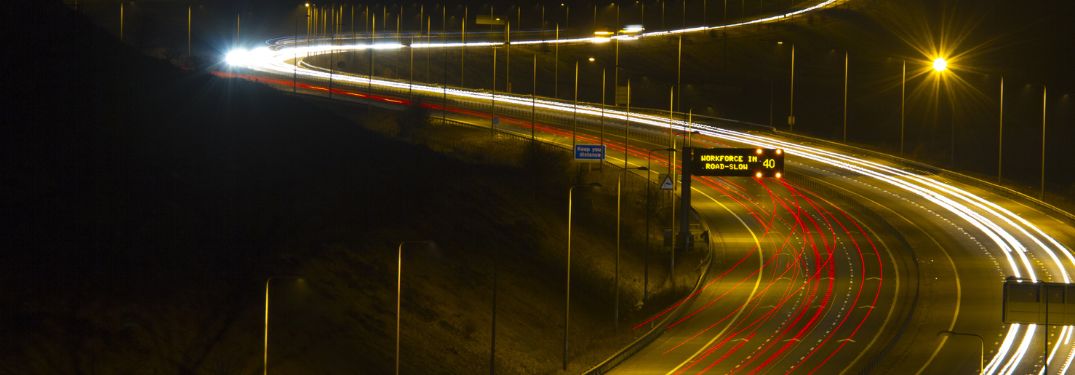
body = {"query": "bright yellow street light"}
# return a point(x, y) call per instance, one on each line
point(940, 64)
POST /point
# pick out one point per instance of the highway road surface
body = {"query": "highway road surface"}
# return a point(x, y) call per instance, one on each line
point(855, 262)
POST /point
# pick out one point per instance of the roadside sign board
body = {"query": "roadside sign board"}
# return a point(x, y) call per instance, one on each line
point(488, 20)
point(620, 98)
point(590, 152)
point(666, 182)
point(741, 162)
point(1038, 303)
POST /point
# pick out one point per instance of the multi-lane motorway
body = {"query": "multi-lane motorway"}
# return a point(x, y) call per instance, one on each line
point(855, 262)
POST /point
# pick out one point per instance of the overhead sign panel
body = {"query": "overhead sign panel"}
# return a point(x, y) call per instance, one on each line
point(743, 162)
point(590, 152)
point(1038, 303)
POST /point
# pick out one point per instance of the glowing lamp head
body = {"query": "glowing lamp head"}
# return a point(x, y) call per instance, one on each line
point(236, 57)
point(779, 175)
point(591, 59)
point(940, 64)
point(307, 5)
point(757, 175)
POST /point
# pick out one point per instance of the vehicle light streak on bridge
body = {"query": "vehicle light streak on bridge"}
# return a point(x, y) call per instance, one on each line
point(984, 215)
point(331, 43)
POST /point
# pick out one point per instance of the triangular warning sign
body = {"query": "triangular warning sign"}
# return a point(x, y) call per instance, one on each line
point(667, 183)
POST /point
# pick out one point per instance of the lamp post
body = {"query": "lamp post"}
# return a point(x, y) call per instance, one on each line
point(567, 15)
point(847, 60)
point(602, 117)
point(791, 102)
point(649, 167)
point(940, 67)
point(1000, 134)
point(903, 100)
point(619, 240)
point(492, 98)
point(533, 103)
point(679, 69)
point(1044, 107)
point(981, 343)
point(399, 287)
point(567, 292)
point(189, 15)
point(463, 46)
point(627, 126)
point(265, 352)
point(575, 107)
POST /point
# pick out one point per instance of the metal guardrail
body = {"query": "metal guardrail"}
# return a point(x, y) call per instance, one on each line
point(922, 165)
point(642, 341)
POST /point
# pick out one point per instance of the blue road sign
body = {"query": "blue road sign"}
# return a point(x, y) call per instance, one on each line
point(590, 152)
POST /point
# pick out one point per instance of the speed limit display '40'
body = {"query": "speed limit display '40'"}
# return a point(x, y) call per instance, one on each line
point(741, 162)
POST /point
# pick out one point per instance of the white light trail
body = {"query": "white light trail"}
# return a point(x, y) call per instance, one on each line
point(988, 217)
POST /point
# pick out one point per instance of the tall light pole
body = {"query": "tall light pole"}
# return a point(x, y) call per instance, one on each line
point(399, 286)
point(492, 97)
point(619, 225)
point(940, 67)
point(567, 292)
point(575, 107)
point(619, 240)
point(679, 66)
point(671, 174)
point(373, 40)
point(533, 103)
point(189, 15)
point(616, 73)
point(846, 62)
point(556, 65)
point(627, 126)
point(410, 68)
point(1044, 107)
point(265, 351)
point(903, 101)
point(463, 47)
point(981, 343)
point(121, 18)
point(1000, 134)
point(649, 167)
point(507, 56)
point(791, 102)
point(444, 65)
point(567, 17)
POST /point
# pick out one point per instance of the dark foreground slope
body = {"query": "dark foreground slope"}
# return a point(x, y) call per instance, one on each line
point(147, 206)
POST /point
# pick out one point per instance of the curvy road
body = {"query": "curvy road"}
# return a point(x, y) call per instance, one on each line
point(854, 262)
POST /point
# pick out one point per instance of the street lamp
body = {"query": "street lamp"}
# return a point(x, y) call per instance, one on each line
point(981, 342)
point(265, 352)
point(567, 293)
point(940, 64)
point(399, 285)
point(940, 68)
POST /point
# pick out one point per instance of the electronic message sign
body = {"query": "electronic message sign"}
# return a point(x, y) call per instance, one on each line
point(744, 162)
